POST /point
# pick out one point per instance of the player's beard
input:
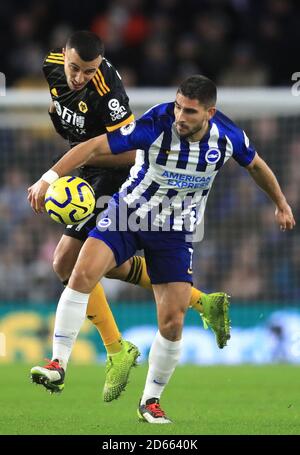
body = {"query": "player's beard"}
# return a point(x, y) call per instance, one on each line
point(191, 132)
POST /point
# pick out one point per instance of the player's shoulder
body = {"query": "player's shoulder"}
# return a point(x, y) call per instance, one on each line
point(163, 112)
point(227, 126)
point(54, 58)
point(243, 150)
point(108, 70)
point(158, 118)
point(224, 121)
point(106, 79)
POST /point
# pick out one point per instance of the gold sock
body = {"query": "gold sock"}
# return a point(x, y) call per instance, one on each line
point(99, 313)
point(138, 273)
point(114, 348)
point(195, 301)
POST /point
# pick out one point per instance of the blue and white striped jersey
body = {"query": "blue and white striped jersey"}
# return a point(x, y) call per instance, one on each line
point(172, 176)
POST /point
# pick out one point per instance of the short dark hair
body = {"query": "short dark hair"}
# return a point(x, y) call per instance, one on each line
point(201, 88)
point(88, 45)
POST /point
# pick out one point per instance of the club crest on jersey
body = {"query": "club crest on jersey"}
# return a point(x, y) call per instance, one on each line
point(104, 223)
point(127, 129)
point(212, 156)
point(54, 91)
point(82, 107)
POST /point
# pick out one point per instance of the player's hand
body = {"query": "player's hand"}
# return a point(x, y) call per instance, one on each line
point(36, 196)
point(284, 217)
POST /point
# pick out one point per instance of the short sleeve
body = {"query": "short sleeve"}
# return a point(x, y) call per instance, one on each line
point(140, 134)
point(116, 109)
point(243, 150)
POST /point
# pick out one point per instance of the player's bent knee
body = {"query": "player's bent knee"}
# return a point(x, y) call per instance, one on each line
point(171, 328)
point(61, 267)
point(83, 280)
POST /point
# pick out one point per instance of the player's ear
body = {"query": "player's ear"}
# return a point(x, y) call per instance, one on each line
point(211, 112)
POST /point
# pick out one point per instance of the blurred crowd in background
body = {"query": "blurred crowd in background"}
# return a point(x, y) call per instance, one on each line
point(243, 252)
point(159, 42)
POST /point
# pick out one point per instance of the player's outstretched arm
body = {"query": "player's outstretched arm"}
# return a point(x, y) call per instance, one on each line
point(266, 180)
point(76, 157)
point(115, 161)
point(81, 154)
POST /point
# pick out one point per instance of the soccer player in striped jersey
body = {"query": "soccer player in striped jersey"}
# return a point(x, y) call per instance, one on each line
point(89, 99)
point(185, 144)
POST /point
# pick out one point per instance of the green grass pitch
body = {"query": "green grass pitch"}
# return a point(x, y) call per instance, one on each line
point(216, 400)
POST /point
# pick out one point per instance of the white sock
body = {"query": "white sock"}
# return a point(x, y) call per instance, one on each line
point(70, 315)
point(163, 358)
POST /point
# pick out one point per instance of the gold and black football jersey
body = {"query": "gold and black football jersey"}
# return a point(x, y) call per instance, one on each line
point(100, 107)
